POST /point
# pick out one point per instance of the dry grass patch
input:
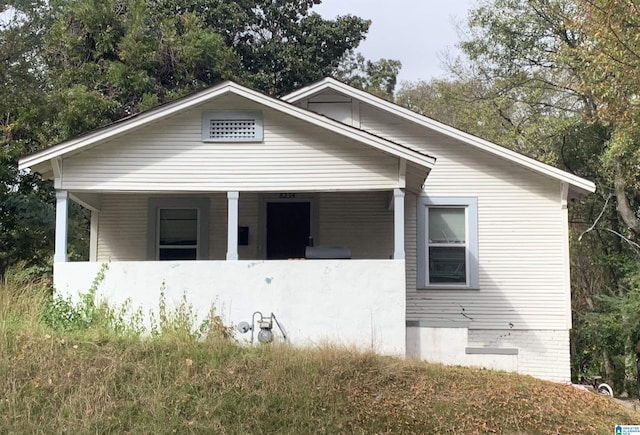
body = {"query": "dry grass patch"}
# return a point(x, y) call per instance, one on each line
point(55, 385)
point(100, 381)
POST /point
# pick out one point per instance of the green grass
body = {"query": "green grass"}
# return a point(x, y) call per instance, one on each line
point(57, 380)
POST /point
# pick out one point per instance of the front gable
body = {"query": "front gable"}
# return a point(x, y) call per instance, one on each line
point(165, 149)
point(172, 155)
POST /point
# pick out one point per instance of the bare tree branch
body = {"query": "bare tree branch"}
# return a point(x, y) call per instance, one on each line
point(593, 226)
point(635, 246)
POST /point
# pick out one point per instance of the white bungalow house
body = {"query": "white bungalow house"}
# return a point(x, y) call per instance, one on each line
point(426, 241)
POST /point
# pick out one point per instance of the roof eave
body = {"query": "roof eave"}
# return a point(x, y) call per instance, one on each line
point(578, 183)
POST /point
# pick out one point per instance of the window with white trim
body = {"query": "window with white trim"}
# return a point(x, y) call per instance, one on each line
point(232, 126)
point(177, 229)
point(448, 242)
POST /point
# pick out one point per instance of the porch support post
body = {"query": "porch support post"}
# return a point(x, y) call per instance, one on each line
point(62, 207)
point(232, 225)
point(93, 236)
point(398, 224)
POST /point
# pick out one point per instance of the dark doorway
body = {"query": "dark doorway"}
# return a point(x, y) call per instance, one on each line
point(288, 226)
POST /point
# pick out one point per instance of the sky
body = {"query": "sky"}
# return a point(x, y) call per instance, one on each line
point(416, 32)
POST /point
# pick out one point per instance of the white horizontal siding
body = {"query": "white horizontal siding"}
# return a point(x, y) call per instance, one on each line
point(170, 155)
point(122, 228)
point(520, 235)
point(359, 220)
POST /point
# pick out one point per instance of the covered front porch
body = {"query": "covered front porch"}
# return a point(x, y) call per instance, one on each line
point(329, 265)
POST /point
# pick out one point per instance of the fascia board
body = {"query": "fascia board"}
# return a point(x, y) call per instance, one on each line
point(505, 153)
point(314, 88)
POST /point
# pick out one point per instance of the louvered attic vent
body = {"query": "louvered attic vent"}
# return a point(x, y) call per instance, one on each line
point(232, 127)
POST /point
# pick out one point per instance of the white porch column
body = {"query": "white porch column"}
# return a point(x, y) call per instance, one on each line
point(62, 211)
point(232, 225)
point(93, 236)
point(398, 224)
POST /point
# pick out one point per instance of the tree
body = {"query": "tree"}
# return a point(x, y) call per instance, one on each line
point(611, 61)
point(378, 78)
point(26, 227)
point(610, 58)
point(106, 60)
point(281, 45)
point(466, 105)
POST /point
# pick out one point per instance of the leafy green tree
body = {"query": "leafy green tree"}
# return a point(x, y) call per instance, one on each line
point(376, 77)
point(26, 226)
point(107, 60)
point(466, 105)
point(281, 45)
point(515, 50)
point(610, 73)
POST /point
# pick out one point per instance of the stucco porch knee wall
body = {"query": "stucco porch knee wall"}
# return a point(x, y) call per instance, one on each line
point(359, 303)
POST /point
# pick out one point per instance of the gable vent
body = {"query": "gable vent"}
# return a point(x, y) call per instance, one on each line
point(232, 127)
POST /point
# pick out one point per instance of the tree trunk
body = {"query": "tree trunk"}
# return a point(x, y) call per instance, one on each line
point(627, 214)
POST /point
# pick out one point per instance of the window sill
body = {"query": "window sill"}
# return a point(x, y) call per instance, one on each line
point(448, 287)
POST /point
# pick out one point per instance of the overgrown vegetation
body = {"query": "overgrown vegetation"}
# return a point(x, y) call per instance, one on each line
point(87, 373)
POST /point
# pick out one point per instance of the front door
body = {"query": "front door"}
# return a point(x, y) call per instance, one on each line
point(288, 229)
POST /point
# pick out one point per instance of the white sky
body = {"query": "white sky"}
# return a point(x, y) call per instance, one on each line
point(415, 32)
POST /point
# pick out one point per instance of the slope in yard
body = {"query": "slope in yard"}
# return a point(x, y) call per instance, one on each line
point(56, 384)
point(78, 369)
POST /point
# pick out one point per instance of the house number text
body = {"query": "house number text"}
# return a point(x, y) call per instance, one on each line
point(287, 195)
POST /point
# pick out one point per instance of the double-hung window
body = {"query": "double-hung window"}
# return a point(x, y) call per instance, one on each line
point(178, 229)
point(177, 234)
point(448, 242)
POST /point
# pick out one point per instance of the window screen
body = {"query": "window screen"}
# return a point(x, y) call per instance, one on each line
point(447, 251)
